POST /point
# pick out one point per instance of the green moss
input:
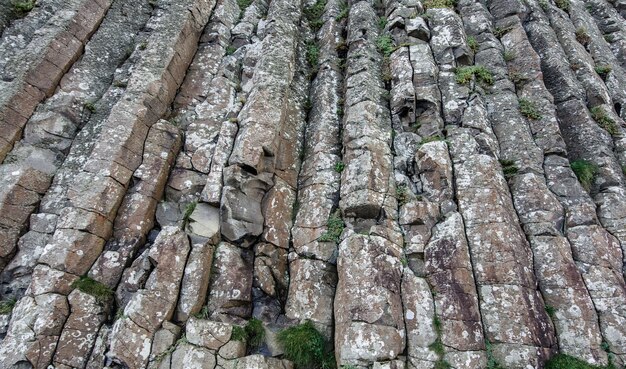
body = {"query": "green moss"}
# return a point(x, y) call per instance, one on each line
point(312, 54)
point(230, 50)
point(492, 363)
point(335, 228)
point(344, 9)
point(472, 43)
point(563, 4)
point(464, 74)
point(562, 361)
point(528, 109)
point(306, 347)
point(382, 22)
point(244, 4)
point(508, 168)
point(90, 286)
point(90, 106)
point(442, 364)
point(255, 333)
point(585, 172)
point(501, 31)
point(432, 4)
point(402, 194)
point(426, 140)
point(22, 7)
point(6, 307)
point(339, 167)
point(120, 84)
point(603, 70)
point(602, 118)
point(189, 210)
point(437, 347)
point(203, 313)
point(550, 310)
point(582, 36)
point(314, 14)
point(385, 45)
point(238, 334)
point(508, 55)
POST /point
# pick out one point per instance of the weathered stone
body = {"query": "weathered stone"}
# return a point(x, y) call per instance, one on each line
point(230, 293)
point(241, 213)
point(149, 307)
point(368, 307)
point(212, 335)
point(195, 283)
point(80, 330)
point(189, 356)
point(311, 291)
point(204, 221)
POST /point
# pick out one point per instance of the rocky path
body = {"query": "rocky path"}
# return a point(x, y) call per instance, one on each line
point(312, 184)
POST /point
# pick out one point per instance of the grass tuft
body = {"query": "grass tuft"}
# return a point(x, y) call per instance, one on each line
point(432, 4)
point(385, 45)
point(602, 118)
point(335, 228)
point(603, 70)
point(314, 14)
point(90, 106)
point(306, 347)
point(585, 172)
point(582, 36)
point(472, 43)
point(255, 333)
point(562, 361)
point(90, 286)
point(563, 4)
point(312, 54)
point(23, 6)
point(528, 109)
point(402, 194)
point(464, 74)
point(188, 211)
point(508, 168)
point(6, 307)
point(344, 9)
point(426, 140)
point(243, 4)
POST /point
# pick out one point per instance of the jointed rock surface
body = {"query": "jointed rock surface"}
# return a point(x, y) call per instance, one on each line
point(431, 184)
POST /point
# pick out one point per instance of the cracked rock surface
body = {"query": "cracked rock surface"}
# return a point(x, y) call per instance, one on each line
point(416, 184)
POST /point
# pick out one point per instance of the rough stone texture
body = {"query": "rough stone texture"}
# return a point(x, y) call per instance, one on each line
point(217, 161)
point(151, 306)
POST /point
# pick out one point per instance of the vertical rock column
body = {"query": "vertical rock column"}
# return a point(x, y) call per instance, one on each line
point(435, 245)
point(258, 173)
point(515, 323)
point(586, 140)
point(593, 41)
point(540, 213)
point(50, 131)
point(98, 189)
point(369, 324)
point(33, 66)
point(312, 269)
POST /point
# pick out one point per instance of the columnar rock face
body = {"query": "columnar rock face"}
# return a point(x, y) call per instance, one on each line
point(430, 184)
